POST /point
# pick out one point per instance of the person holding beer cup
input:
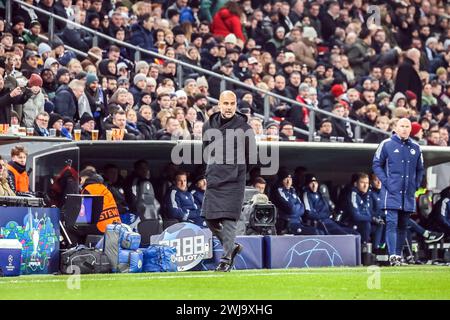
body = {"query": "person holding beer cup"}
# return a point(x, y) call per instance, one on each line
point(119, 131)
point(55, 124)
point(87, 124)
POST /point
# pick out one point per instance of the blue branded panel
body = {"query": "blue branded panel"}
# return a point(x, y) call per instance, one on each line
point(250, 258)
point(37, 229)
point(311, 251)
point(191, 242)
point(10, 261)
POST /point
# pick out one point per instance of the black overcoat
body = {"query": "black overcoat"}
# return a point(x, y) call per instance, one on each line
point(408, 79)
point(226, 179)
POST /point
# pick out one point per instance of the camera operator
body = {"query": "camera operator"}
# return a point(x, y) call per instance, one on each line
point(10, 95)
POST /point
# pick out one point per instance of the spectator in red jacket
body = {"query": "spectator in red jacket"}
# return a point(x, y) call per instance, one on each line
point(228, 20)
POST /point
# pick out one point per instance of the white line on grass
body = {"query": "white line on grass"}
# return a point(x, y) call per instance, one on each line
point(149, 276)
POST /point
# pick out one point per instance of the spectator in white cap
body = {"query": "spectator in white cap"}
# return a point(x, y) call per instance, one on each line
point(312, 97)
point(52, 64)
point(151, 87)
point(44, 50)
point(190, 87)
point(430, 48)
point(252, 63)
point(140, 80)
point(182, 98)
point(230, 41)
point(202, 85)
point(303, 91)
point(122, 69)
point(289, 57)
point(139, 85)
point(142, 67)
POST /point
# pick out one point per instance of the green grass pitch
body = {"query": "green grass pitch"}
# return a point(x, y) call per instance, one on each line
point(410, 282)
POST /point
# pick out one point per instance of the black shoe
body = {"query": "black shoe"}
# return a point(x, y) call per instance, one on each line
point(434, 237)
point(410, 260)
point(402, 262)
point(237, 249)
point(223, 267)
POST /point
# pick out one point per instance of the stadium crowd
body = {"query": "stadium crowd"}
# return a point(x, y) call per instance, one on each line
point(324, 54)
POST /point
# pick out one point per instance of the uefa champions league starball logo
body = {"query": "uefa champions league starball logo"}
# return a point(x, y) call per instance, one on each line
point(305, 251)
point(10, 267)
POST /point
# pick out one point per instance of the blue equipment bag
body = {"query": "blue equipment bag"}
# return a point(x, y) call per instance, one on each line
point(159, 258)
point(119, 245)
point(130, 261)
point(130, 240)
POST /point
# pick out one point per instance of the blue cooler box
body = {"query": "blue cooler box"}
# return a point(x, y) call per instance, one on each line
point(10, 257)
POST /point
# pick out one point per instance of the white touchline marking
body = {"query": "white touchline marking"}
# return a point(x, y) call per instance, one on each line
point(128, 277)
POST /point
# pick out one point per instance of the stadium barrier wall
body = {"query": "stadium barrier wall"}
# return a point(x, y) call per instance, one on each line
point(312, 251)
point(282, 252)
point(252, 257)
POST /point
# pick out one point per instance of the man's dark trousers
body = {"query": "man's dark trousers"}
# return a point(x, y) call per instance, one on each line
point(225, 231)
point(395, 238)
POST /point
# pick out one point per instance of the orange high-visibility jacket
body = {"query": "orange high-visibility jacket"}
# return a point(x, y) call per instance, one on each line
point(110, 213)
point(20, 179)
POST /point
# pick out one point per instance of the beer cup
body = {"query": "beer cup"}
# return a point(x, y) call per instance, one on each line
point(109, 135)
point(94, 135)
point(77, 134)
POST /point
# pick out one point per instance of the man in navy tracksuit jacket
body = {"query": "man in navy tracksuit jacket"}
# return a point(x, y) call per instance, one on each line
point(290, 208)
point(180, 203)
point(198, 191)
point(398, 163)
point(360, 211)
point(440, 216)
point(318, 210)
point(378, 214)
